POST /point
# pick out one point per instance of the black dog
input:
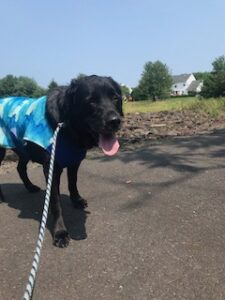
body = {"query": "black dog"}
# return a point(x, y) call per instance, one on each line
point(90, 109)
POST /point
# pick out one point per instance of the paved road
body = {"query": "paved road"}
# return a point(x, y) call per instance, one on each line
point(154, 228)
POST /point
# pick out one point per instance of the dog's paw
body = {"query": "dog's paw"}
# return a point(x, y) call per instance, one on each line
point(79, 202)
point(61, 239)
point(33, 188)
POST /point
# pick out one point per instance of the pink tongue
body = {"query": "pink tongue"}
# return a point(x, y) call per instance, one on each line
point(109, 146)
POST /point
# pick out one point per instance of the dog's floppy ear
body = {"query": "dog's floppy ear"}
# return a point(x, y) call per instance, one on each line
point(55, 106)
point(117, 88)
point(71, 95)
point(115, 85)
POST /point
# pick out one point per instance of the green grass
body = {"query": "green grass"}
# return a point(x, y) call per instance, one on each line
point(213, 107)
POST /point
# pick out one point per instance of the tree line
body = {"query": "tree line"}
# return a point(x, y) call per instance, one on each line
point(155, 83)
point(23, 86)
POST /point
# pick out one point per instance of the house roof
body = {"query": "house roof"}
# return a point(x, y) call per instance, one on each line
point(180, 78)
point(193, 86)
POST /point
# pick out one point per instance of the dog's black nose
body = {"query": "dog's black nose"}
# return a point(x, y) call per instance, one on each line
point(113, 122)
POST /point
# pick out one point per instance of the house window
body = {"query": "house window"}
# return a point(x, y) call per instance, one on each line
point(184, 84)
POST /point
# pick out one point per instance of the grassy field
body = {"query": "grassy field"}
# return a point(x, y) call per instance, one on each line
point(213, 107)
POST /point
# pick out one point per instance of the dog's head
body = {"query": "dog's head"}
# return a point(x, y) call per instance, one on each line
point(91, 109)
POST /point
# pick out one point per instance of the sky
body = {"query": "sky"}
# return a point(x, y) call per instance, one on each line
point(52, 39)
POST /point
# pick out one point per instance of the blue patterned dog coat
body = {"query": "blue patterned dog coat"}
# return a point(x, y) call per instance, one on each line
point(24, 119)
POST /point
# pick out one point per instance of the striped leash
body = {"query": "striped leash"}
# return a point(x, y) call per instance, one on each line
point(33, 272)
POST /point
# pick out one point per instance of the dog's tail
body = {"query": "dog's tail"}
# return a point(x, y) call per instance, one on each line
point(2, 198)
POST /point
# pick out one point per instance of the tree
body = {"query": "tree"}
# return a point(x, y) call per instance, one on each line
point(52, 85)
point(214, 85)
point(138, 94)
point(39, 92)
point(81, 75)
point(156, 81)
point(126, 92)
point(7, 86)
point(201, 75)
point(20, 86)
point(25, 86)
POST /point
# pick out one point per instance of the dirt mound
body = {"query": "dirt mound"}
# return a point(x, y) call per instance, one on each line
point(151, 126)
point(139, 127)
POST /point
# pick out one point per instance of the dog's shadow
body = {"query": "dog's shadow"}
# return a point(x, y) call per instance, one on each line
point(30, 206)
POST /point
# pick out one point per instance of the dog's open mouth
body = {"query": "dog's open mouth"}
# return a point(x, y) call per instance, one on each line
point(109, 144)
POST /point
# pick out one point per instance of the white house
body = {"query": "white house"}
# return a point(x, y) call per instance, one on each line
point(195, 86)
point(184, 84)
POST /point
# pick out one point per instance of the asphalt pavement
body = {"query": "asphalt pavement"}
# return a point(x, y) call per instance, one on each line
point(154, 227)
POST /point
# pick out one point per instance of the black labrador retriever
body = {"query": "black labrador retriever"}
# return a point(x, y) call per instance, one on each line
point(90, 109)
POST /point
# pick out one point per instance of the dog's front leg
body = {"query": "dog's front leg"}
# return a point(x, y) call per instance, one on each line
point(77, 201)
point(60, 234)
